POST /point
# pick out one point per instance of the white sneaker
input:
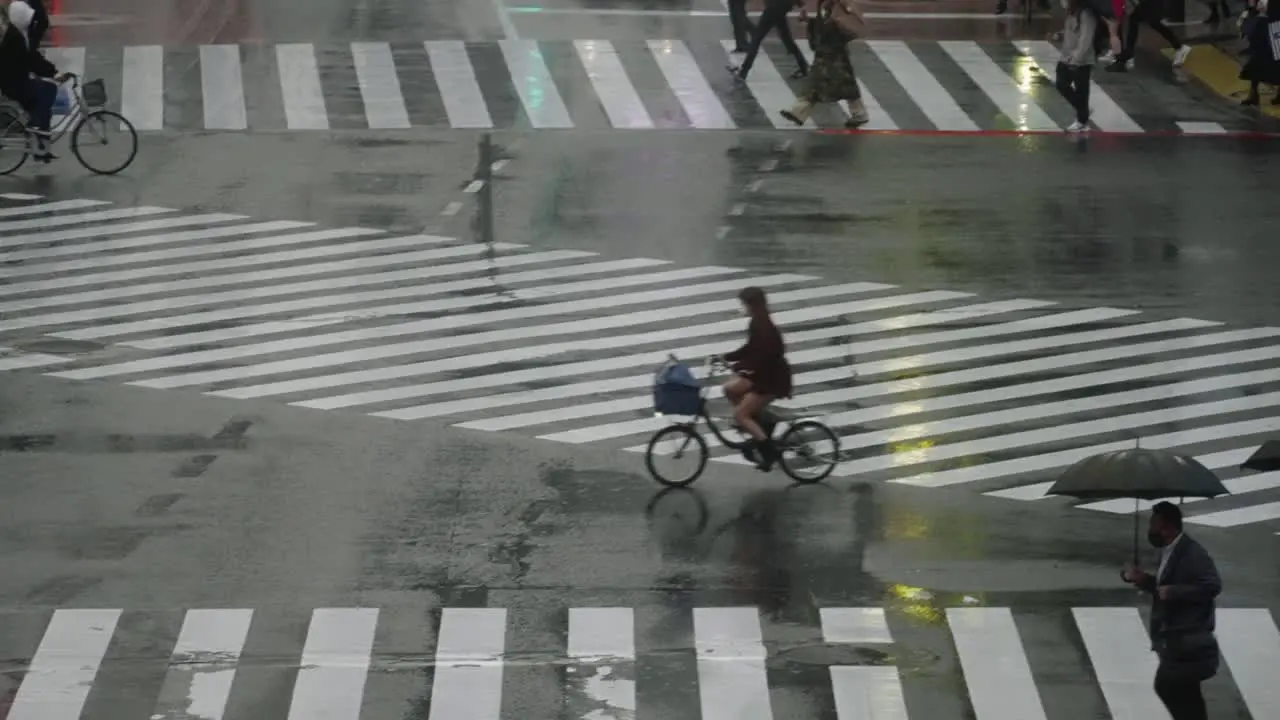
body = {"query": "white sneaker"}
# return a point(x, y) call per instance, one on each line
point(1180, 56)
point(1076, 127)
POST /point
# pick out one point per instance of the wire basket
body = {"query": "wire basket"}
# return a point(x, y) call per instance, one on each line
point(95, 93)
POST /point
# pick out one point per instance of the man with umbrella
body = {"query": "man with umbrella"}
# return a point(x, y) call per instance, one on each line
point(1183, 590)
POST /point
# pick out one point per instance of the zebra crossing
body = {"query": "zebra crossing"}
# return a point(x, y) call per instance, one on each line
point(598, 84)
point(929, 388)
point(365, 662)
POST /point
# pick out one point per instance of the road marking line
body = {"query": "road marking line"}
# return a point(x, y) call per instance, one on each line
point(1107, 115)
point(24, 196)
point(690, 87)
point(1120, 650)
point(1251, 646)
point(101, 231)
point(222, 84)
point(451, 209)
point(1238, 516)
point(73, 219)
point(469, 664)
point(924, 89)
point(142, 87)
point(379, 86)
point(770, 90)
point(604, 640)
point(48, 207)
point(996, 671)
point(855, 625)
point(1201, 128)
point(203, 665)
point(164, 239)
point(335, 664)
point(617, 94)
point(57, 682)
point(456, 80)
point(533, 82)
point(300, 87)
point(1016, 103)
point(732, 682)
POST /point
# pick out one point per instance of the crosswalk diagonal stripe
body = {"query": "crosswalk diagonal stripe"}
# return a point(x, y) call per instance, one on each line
point(163, 239)
point(334, 665)
point(994, 664)
point(1240, 516)
point(534, 85)
point(1017, 104)
point(1119, 649)
point(609, 79)
point(56, 206)
point(10, 359)
point(468, 669)
point(924, 89)
point(680, 69)
point(1250, 644)
point(76, 219)
point(1106, 114)
point(639, 382)
point(169, 323)
point(203, 665)
point(737, 689)
point(117, 229)
point(379, 86)
point(770, 90)
point(57, 683)
point(222, 88)
point(456, 80)
point(300, 88)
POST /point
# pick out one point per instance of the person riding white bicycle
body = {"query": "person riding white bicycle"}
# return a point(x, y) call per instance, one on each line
point(761, 375)
point(25, 76)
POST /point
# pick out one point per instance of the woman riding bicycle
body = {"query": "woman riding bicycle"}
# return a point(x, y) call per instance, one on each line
point(762, 375)
point(23, 73)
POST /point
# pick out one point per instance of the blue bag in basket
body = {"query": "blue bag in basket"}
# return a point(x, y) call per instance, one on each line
point(62, 103)
point(676, 391)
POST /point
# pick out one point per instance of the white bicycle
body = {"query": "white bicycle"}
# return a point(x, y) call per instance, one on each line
point(91, 125)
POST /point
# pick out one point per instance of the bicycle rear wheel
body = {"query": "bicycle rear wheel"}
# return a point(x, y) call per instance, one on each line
point(678, 442)
point(13, 140)
point(810, 451)
point(102, 129)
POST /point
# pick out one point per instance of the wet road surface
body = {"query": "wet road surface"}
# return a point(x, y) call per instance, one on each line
point(215, 546)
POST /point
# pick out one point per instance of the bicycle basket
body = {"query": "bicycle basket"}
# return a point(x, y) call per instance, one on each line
point(676, 391)
point(95, 93)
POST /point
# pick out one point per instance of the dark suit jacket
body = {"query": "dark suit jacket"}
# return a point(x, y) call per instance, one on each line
point(1182, 626)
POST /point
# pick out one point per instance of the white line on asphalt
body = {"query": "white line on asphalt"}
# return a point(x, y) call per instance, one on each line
point(924, 89)
point(300, 87)
point(1251, 646)
point(732, 682)
point(222, 82)
point(164, 239)
point(58, 679)
point(469, 663)
point(142, 87)
point(58, 206)
point(452, 208)
point(1106, 114)
point(534, 84)
point(456, 80)
point(603, 639)
point(856, 625)
point(995, 666)
point(770, 90)
point(1120, 650)
point(59, 236)
point(1015, 101)
point(335, 664)
point(689, 85)
point(203, 665)
point(617, 94)
point(379, 85)
point(78, 219)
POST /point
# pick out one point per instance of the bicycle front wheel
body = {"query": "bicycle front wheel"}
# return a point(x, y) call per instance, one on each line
point(810, 451)
point(13, 140)
point(104, 130)
point(676, 442)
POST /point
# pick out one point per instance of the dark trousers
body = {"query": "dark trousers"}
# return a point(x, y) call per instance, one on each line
point(39, 103)
point(1147, 13)
point(741, 26)
point(39, 25)
point(1073, 83)
point(773, 17)
point(1180, 693)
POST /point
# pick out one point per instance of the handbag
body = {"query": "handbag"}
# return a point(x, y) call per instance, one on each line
point(844, 20)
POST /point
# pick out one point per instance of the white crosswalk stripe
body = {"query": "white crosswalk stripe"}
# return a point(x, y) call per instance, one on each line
point(598, 84)
point(929, 388)
point(324, 664)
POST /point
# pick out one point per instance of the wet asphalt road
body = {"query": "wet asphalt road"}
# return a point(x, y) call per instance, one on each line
point(159, 501)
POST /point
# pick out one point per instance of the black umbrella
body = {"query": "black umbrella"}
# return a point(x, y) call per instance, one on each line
point(1139, 474)
point(1266, 459)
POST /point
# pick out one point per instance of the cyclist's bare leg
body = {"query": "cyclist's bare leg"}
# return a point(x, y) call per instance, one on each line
point(745, 413)
point(736, 389)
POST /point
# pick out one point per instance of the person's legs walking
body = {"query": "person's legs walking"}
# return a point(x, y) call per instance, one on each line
point(768, 20)
point(789, 42)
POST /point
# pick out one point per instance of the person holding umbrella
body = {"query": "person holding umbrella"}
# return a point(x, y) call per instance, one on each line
point(1183, 590)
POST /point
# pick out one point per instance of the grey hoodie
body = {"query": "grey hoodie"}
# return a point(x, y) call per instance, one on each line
point(1077, 38)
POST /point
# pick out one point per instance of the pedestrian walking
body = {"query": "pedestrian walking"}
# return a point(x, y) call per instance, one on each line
point(1263, 65)
point(774, 17)
point(742, 27)
point(1079, 52)
point(1150, 13)
point(1183, 590)
point(831, 79)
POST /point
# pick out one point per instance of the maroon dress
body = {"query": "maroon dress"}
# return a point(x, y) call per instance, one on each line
point(763, 360)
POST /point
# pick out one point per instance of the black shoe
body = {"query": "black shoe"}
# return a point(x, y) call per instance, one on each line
point(768, 455)
point(800, 73)
point(1118, 66)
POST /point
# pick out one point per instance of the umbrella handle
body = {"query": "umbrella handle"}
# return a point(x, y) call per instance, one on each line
point(1135, 532)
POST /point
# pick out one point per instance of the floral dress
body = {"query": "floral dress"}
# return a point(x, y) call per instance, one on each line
point(831, 77)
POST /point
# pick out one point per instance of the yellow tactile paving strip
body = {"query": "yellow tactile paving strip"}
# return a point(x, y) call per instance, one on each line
point(1221, 73)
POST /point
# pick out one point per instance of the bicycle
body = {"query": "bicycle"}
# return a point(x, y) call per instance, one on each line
point(687, 397)
point(86, 114)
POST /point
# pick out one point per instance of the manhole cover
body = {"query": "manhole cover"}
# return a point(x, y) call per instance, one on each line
point(55, 346)
point(834, 655)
